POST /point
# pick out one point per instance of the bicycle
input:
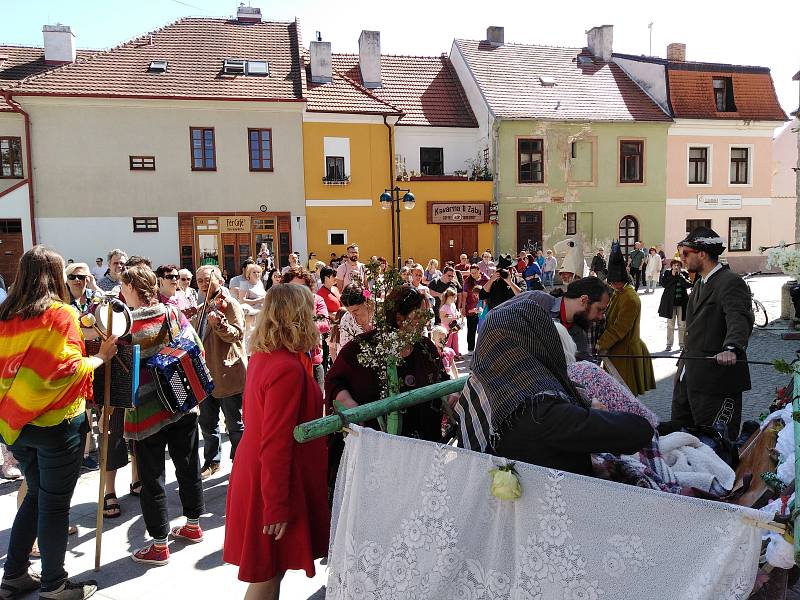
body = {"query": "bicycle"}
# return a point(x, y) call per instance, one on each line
point(759, 310)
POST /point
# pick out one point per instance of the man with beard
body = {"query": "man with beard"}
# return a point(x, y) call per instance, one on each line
point(350, 269)
point(719, 321)
point(584, 303)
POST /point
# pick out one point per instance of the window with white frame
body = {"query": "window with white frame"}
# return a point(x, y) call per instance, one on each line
point(698, 165)
point(336, 160)
point(740, 165)
point(337, 237)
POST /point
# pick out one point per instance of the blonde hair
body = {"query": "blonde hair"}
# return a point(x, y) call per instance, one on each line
point(439, 335)
point(250, 268)
point(447, 293)
point(72, 267)
point(433, 263)
point(286, 321)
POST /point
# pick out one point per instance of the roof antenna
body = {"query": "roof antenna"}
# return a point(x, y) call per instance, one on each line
point(319, 36)
point(650, 27)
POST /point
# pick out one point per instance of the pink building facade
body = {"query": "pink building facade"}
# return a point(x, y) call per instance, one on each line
point(719, 174)
point(719, 152)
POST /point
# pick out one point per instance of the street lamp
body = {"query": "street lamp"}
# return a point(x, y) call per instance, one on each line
point(391, 198)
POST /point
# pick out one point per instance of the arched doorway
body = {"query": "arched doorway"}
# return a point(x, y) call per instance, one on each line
point(628, 234)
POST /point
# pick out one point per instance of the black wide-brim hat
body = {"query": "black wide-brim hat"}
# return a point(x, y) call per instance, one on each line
point(704, 239)
point(505, 261)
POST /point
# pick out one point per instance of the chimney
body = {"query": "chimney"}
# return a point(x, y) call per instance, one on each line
point(59, 44)
point(600, 41)
point(248, 14)
point(369, 58)
point(495, 35)
point(676, 53)
point(320, 53)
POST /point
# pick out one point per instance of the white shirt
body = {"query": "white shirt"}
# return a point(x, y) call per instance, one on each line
point(711, 272)
point(98, 272)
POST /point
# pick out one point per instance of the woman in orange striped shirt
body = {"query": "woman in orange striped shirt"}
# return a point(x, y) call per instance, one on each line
point(45, 379)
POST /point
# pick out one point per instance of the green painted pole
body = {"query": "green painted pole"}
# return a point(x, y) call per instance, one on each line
point(394, 422)
point(318, 428)
point(796, 417)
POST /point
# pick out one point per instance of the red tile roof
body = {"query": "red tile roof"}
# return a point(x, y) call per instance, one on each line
point(692, 96)
point(19, 62)
point(508, 76)
point(195, 49)
point(342, 95)
point(426, 89)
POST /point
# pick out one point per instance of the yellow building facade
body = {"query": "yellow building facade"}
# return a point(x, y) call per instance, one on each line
point(450, 215)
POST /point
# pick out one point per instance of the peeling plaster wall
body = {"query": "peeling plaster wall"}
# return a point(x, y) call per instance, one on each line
point(599, 204)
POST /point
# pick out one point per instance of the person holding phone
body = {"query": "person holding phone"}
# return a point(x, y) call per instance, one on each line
point(673, 303)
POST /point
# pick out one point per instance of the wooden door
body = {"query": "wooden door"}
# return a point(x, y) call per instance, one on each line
point(529, 230)
point(236, 248)
point(455, 240)
point(11, 249)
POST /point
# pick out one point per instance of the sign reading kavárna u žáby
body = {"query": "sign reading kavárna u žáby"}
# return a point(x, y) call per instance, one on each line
point(458, 213)
point(718, 202)
point(234, 224)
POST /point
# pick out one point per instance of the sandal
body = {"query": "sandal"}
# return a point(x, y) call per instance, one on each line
point(136, 488)
point(111, 510)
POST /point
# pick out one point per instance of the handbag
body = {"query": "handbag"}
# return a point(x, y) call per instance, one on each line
point(179, 371)
point(124, 383)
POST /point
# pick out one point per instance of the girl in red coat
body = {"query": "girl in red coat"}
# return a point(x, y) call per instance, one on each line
point(277, 508)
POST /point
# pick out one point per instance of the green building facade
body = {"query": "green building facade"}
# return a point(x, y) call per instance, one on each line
point(583, 188)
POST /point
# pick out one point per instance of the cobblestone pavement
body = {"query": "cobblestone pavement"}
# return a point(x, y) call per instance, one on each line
point(197, 571)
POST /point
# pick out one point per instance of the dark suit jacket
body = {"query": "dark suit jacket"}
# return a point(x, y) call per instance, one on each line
point(720, 315)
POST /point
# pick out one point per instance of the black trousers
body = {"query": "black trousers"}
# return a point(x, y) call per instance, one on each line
point(692, 408)
point(472, 329)
point(209, 424)
point(183, 441)
point(636, 276)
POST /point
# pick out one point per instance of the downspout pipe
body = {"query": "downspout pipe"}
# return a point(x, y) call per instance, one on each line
point(496, 178)
point(18, 109)
point(391, 185)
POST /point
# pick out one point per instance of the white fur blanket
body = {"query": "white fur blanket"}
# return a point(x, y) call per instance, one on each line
point(694, 463)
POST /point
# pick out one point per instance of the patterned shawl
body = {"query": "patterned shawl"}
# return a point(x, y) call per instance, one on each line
point(518, 360)
point(44, 376)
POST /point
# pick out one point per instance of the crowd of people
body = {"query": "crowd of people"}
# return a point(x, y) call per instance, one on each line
point(284, 346)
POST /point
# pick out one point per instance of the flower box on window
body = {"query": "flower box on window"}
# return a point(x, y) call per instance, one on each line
point(336, 180)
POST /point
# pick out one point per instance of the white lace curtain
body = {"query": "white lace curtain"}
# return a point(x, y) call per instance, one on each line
point(415, 520)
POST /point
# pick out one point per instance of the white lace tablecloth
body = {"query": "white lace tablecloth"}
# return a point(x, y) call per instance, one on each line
point(415, 520)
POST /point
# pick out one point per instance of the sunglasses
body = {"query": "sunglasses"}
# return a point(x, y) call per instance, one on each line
point(171, 277)
point(74, 277)
point(687, 251)
point(186, 278)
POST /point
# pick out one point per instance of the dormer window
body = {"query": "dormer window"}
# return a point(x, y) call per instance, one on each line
point(257, 67)
point(157, 66)
point(723, 94)
point(232, 66)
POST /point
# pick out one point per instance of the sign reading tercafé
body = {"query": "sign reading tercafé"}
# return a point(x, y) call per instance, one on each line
point(235, 224)
point(458, 213)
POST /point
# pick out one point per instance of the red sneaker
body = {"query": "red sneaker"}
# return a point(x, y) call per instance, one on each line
point(190, 534)
point(151, 555)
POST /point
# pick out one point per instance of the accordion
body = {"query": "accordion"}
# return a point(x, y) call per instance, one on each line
point(180, 375)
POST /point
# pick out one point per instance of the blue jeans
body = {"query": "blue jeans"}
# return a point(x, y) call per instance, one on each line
point(50, 458)
point(547, 278)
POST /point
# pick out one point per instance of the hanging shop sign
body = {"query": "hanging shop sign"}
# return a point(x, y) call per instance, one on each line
point(718, 202)
point(234, 224)
point(457, 213)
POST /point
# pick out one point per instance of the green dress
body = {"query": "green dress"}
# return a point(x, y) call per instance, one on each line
point(621, 337)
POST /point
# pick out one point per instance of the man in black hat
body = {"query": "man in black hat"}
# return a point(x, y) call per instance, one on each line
point(719, 321)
